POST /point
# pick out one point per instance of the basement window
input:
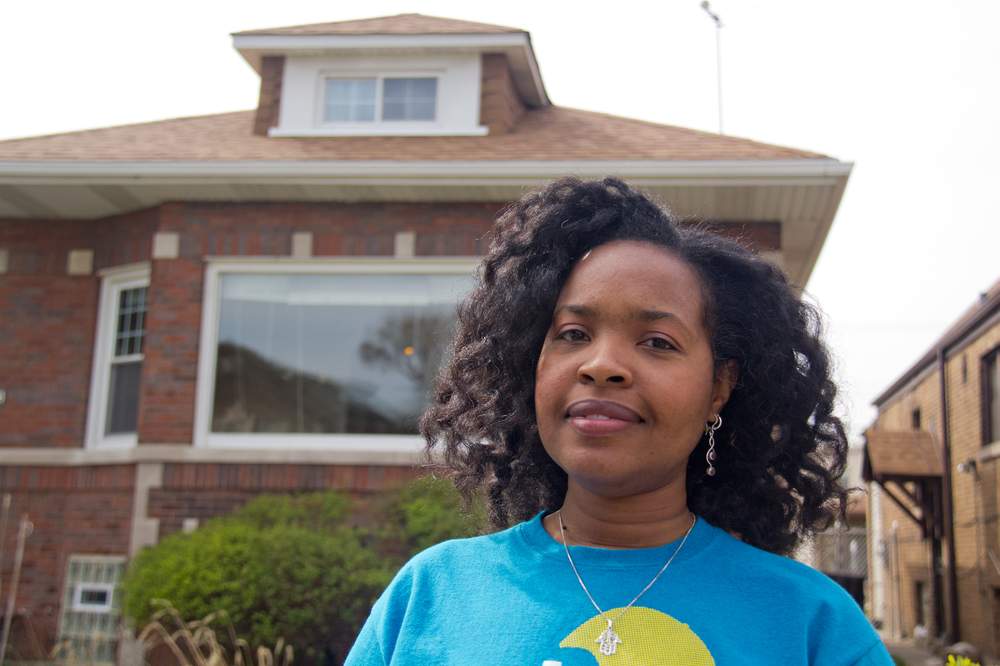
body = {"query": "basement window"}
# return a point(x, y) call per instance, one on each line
point(90, 614)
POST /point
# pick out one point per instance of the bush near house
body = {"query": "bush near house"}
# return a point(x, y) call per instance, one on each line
point(293, 567)
point(422, 513)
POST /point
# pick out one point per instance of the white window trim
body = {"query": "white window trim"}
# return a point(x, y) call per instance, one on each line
point(78, 603)
point(378, 125)
point(113, 281)
point(216, 267)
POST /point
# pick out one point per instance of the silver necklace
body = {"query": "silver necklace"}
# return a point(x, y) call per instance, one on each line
point(608, 639)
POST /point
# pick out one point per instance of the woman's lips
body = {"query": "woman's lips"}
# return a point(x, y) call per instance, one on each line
point(593, 426)
point(601, 417)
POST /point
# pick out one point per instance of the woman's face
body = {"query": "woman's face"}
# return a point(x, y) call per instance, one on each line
point(625, 380)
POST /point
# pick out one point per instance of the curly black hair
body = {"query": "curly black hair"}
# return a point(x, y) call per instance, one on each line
point(781, 449)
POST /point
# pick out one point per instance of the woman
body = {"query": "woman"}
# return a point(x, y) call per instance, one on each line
point(650, 406)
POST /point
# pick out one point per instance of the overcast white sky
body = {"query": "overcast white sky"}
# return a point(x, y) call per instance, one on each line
point(907, 91)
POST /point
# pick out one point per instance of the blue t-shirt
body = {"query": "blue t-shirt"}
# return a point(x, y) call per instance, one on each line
point(511, 598)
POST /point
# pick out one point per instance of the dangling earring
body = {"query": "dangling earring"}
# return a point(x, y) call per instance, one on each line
point(710, 456)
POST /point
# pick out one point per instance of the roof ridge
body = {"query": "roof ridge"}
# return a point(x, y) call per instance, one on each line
point(375, 19)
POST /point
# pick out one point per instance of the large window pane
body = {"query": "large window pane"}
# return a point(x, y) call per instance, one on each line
point(126, 364)
point(330, 353)
point(409, 99)
point(123, 398)
point(350, 100)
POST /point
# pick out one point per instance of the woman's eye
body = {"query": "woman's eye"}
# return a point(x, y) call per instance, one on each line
point(659, 343)
point(572, 335)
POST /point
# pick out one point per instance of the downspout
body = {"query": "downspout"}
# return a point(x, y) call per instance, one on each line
point(949, 516)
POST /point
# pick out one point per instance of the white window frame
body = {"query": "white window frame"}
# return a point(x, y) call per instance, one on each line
point(80, 605)
point(217, 267)
point(113, 282)
point(365, 126)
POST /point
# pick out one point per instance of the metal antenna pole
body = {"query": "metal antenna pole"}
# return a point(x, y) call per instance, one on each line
point(718, 54)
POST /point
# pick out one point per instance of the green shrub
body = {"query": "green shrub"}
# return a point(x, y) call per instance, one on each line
point(272, 572)
point(422, 513)
point(325, 511)
point(289, 566)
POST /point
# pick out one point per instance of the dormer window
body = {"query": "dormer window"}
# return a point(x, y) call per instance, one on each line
point(362, 100)
point(409, 99)
point(418, 94)
point(350, 100)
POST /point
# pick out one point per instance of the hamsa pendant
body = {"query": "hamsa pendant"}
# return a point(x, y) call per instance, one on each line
point(609, 641)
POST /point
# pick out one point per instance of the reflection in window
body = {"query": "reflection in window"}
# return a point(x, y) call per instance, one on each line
point(126, 363)
point(409, 99)
point(350, 100)
point(330, 353)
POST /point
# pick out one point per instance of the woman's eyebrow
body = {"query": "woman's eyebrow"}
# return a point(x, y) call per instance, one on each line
point(656, 315)
point(644, 315)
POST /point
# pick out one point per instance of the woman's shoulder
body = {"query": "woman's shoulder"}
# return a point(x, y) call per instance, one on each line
point(473, 551)
point(753, 568)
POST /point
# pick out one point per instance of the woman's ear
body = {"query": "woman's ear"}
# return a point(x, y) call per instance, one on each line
point(726, 376)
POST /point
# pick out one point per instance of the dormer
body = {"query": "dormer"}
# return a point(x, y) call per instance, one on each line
point(405, 75)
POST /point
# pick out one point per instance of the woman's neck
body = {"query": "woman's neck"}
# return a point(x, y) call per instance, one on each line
point(641, 521)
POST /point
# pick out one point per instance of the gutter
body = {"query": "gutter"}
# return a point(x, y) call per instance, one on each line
point(430, 172)
point(949, 515)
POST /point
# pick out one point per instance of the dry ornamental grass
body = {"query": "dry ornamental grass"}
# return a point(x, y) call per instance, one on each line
point(192, 643)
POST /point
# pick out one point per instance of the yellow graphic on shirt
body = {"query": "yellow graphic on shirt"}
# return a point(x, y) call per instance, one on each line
point(647, 638)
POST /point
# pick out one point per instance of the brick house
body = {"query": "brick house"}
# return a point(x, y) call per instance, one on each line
point(931, 463)
point(197, 310)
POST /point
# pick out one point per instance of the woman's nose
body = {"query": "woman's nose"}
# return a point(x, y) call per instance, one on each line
point(604, 368)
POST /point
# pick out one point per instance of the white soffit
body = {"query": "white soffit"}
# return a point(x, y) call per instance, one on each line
point(803, 195)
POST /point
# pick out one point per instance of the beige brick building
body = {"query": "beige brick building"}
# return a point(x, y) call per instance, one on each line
point(931, 460)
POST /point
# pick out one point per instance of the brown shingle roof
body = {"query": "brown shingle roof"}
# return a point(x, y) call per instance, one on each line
point(549, 133)
point(400, 24)
point(902, 453)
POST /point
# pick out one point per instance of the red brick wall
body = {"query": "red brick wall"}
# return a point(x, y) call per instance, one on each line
point(48, 320)
point(272, 70)
point(213, 229)
point(47, 340)
point(85, 511)
point(500, 105)
point(205, 491)
point(758, 236)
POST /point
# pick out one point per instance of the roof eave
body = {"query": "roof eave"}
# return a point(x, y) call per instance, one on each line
point(97, 189)
point(987, 309)
point(740, 172)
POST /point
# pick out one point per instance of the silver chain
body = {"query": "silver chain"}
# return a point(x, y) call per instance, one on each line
point(609, 631)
